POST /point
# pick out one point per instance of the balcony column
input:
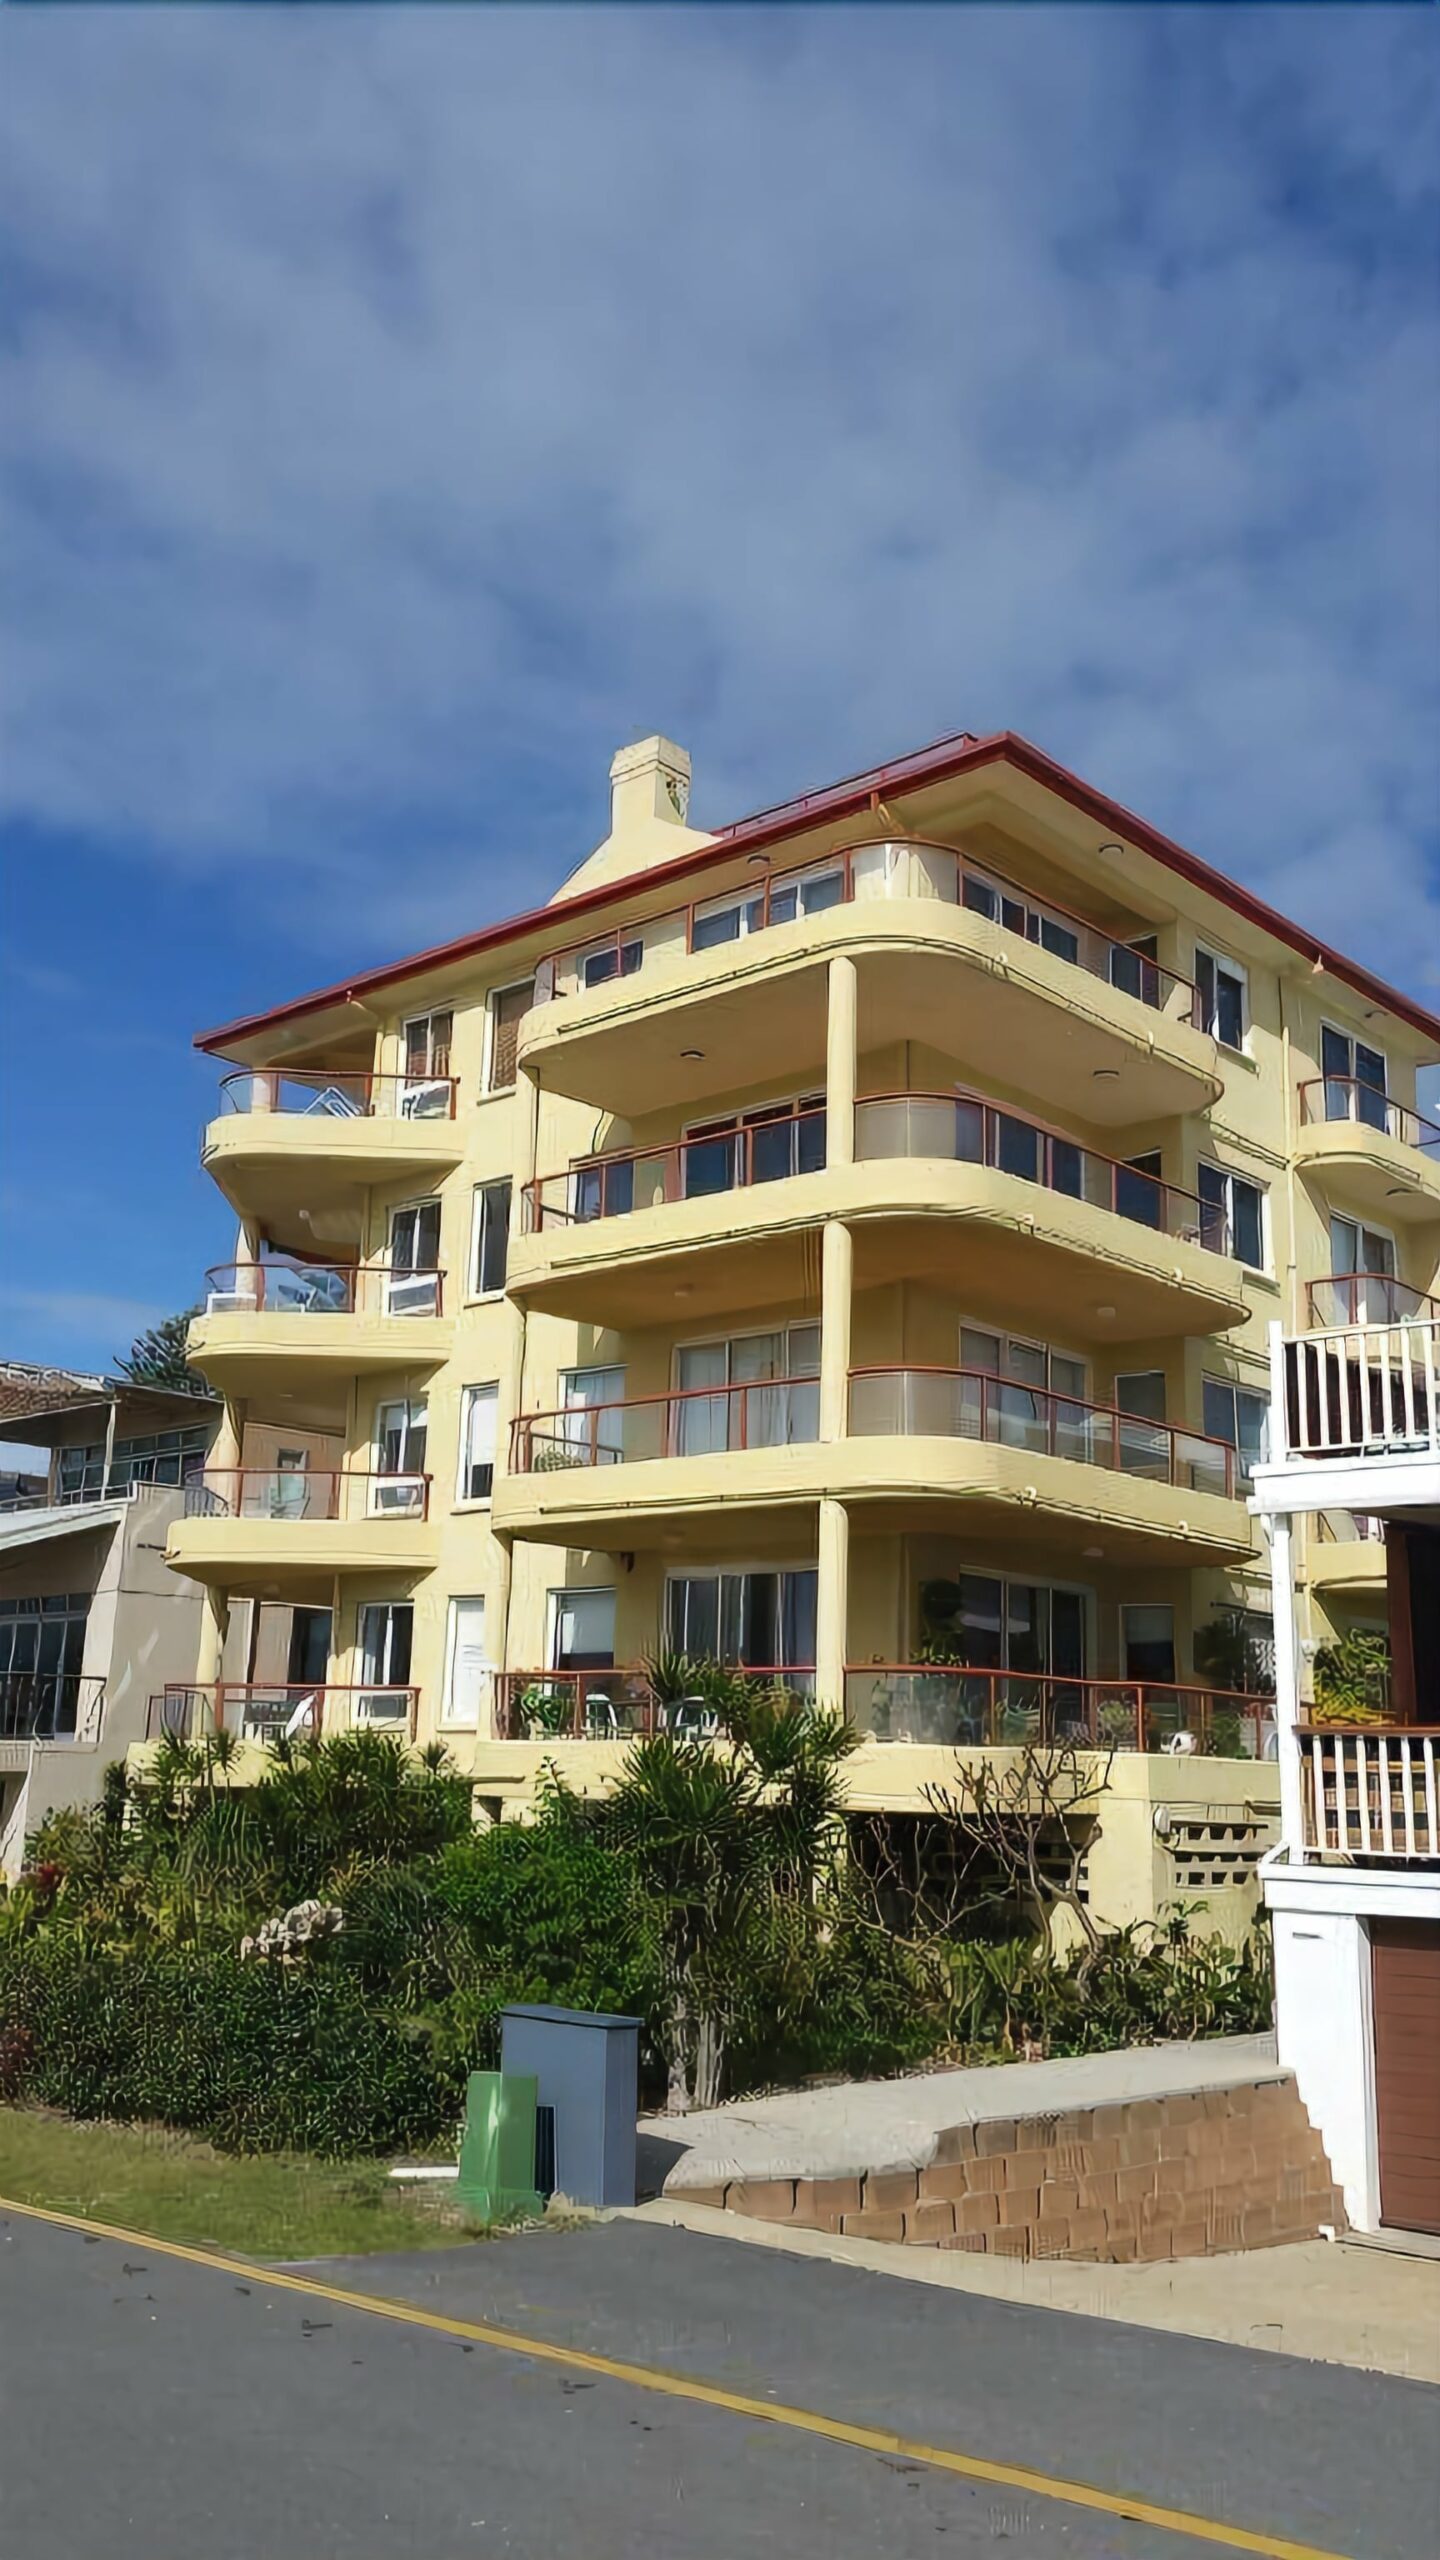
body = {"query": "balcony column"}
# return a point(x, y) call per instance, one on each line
point(841, 1014)
point(214, 1628)
point(832, 1603)
point(837, 1264)
point(1287, 1683)
point(497, 1644)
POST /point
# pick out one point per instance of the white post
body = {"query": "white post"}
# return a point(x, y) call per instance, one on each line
point(832, 1600)
point(1287, 1685)
point(840, 1024)
point(837, 1263)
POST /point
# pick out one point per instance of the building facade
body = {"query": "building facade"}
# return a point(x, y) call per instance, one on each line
point(844, 1244)
point(1354, 1884)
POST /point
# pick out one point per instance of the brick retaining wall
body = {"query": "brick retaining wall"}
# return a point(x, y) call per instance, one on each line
point(1173, 2177)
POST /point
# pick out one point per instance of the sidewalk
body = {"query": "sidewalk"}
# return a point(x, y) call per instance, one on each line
point(1332, 2303)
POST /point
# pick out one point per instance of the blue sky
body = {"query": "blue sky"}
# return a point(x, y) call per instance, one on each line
point(401, 409)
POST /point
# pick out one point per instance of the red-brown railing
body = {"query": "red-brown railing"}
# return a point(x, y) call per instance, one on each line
point(610, 1186)
point(950, 1705)
point(1326, 1098)
point(341, 1093)
point(619, 1705)
point(306, 1493)
point(886, 868)
point(955, 1128)
point(259, 1710)
point(973, 1404)
point(1367, 1297)
point(322, 1289)
point(964, 1128)
point(690, 1422)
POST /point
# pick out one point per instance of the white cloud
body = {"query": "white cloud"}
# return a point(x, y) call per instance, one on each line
point(405, 407)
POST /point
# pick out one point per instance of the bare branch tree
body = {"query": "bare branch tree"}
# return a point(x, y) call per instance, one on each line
point(1034, 1817)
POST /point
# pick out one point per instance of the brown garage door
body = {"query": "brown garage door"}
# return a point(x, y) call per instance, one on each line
point(1406, 1963)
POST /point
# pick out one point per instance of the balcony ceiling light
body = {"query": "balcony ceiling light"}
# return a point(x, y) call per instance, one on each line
point(1106, 1075)
point(1398, 1191)
point(1106, 1312)
point(1092, 1554)
point(692, 1053)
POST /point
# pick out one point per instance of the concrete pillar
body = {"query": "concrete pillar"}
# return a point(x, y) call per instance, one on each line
point(497, 1639)
point(837, 1265)
point(832, 1605)
point(1287, 1681)
point(840, 1033)
point(210, 1653)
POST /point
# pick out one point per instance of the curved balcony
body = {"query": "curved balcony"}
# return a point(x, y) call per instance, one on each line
point(1368, 1150)
point(1347, 1555)
point(260, 1320)
point(1038, 1469)
point(669, 1002)
point(1367, 1297)
point(949, 1186)
point(955, 1706)
point(285, 1530)
point(286, 1147)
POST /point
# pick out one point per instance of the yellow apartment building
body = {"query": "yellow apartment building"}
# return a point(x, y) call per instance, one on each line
point(844, 1243)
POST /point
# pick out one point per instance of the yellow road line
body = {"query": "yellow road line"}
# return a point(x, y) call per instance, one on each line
point(712, 2395)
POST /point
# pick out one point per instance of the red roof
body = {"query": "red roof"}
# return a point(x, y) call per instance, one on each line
point(948, 756)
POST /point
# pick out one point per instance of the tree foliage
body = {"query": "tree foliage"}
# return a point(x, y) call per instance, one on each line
point(156, 1358)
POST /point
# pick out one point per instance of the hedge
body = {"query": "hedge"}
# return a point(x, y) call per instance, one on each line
point(258, 2057)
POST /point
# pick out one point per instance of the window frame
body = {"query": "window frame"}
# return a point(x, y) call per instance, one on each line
point(459, 1600)
point(555, 1598)
point(1235, 969)
point(494, 998)
point(465, 1500)
point(1229, 1176)
point(480, 1194)
point(1235, 1388)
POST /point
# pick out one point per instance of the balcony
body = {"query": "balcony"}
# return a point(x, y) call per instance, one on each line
point(1047, 1471)
point(1089, 1010)
point(1366, 1297)
point(1363, 1391)
point(261, 1712)
point(49, 1708)
point(618, 1705)
point(260, 1319)
point(1347, 1555)
point(952, 1706)
point(285, 1529)
point(1372, 1152)
point(946, 1186)
point(284, 1144)
point(1370, 1792)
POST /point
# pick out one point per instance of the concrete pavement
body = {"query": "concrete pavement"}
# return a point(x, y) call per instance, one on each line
point(190, 2411)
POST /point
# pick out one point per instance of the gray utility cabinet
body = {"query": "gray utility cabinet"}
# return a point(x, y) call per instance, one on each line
point(586, 2065)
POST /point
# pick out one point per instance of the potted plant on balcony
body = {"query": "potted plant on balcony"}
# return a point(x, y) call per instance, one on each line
point(548, 1709)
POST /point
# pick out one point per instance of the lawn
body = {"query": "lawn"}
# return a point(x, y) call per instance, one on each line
point(279, 2206)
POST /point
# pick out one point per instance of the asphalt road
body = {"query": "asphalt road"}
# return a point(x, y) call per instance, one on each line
point(152, 2408)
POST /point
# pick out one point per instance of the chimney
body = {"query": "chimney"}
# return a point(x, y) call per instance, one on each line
point(649, 781)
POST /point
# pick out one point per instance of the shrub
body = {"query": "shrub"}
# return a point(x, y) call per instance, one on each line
point(259, 2057)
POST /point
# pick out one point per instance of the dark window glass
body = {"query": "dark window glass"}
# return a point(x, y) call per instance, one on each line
point(1139, 1194)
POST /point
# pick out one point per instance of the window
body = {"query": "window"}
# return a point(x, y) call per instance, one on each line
point(413, 1288)
point(42, 1648)
point(1135, 967)
point(1355, 1079)
point(748, 1411)
point(1362, 1264)
point(763, 1145)
point(151, 1457)
point(491, 1240)
point(427, 1045)
point(1148, 1642)
point(804, 894)
point(1222, 998)
point(478, 1409)
point(1232, 1215)
point(1139, 1190)
point(1141, 1392)
point(1052, 932)
point(582, 1630)
point(597, 1391)
point(384, 1631)
point(1022, 1408)
point(760, 1618)
point(1241, 1418)
point(307, 1662)
point(398, 1484)
point(993, 1624)
point(611, 960)
point(467, 1665)
point(507, 1006)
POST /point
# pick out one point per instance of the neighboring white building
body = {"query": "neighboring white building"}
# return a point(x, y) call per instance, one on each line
point(1353, 1887)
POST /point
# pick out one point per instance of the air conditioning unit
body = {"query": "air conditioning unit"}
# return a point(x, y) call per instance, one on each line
point(398, 1497)
point(413, 1293)
point(230, 1302)
point(429, 1101)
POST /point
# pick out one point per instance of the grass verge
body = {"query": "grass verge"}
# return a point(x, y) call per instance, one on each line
point(281, 2205)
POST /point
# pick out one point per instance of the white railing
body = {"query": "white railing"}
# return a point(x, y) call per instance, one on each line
point(1360, 1390)
point(1370, 1791)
